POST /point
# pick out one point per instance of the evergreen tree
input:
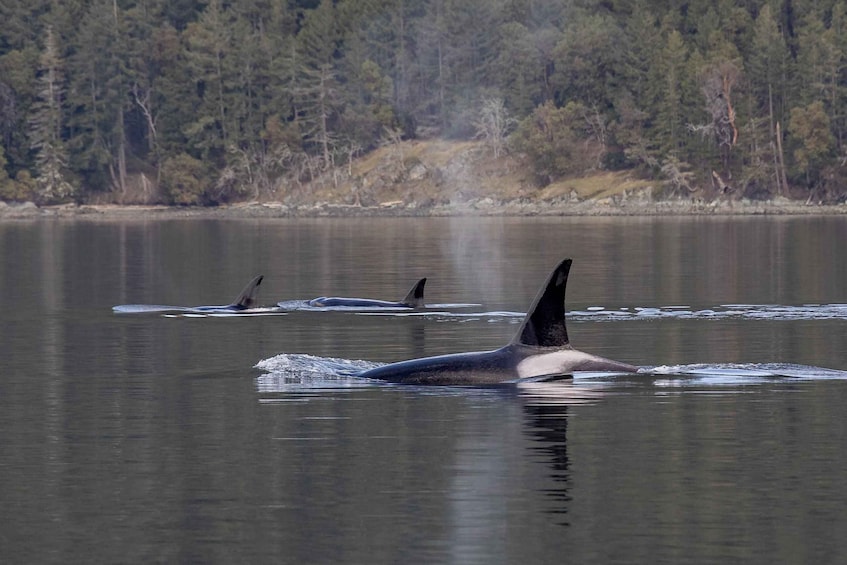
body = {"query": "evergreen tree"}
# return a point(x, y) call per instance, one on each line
point(812, 140)
point(17, 91)
point(558, 142)
point(588, 59)
point(767, 69)
point(457, 54)
point(98, 98)
point(812, 58)
point(18, 18)
point(520, 75)
point(470, 54)
point(317, 88)
point(8, 190)
point(174, 97)
point(381, 31)
point(144, 73)
point(45, 121)
point(283, 62)
point(209, 45)
point(432, 62)
point(671, 119)
point(835, 45)
point(642, 84)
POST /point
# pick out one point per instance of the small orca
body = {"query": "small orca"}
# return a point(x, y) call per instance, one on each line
point(540, 350)
point(244, 301)
point(414, 299)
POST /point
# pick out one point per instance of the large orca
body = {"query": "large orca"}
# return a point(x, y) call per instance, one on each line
point(244, 301)
point(414, 299)
point(540, 350)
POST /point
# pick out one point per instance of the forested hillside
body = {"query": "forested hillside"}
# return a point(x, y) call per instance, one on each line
point(209, 101)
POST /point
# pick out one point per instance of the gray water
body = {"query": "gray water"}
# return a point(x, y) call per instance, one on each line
point(180, 438)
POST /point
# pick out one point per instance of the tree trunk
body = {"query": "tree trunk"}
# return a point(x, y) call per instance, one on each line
point(774, 142)
point(781, 171)
point(324, 117)
point(119, 175)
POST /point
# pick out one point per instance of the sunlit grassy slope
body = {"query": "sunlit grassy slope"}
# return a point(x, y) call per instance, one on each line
point(440, 171)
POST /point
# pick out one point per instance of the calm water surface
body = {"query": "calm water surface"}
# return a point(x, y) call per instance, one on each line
point(150, 438)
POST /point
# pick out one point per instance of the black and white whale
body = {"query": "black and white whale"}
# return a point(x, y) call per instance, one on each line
point(244, 301)
point(540, 350)
point(414, 299)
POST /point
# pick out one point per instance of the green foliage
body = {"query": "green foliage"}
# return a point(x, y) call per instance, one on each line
point(8, 187)
point(261, 88)
point(810, 131)
point(517, 68)
point(17, 91)
point(185, 180)
point(555, 141)
point(22, 188)
point(369, 113)
point(587, 58)
point(45, 122)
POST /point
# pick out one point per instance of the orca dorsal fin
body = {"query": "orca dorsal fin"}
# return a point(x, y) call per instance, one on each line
point(544, 324)
point(415, 298)
point(247, 298)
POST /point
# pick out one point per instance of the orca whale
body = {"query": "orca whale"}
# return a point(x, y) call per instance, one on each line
point(414, 299)
point(540, 350)
point(244, 301)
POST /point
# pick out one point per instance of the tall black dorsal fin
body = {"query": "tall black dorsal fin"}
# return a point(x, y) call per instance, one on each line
point(415, 298)
point(544, 324)
point(247, 298)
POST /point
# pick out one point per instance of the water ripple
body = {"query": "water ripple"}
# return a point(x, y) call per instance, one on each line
point(721, 312)
point(300, 372)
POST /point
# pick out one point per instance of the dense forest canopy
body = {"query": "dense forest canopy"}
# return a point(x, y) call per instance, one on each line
point(208, 101)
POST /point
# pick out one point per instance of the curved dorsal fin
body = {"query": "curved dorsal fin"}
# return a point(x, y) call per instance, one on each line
point(247, 298)
point(415, 298)
point(544, 324)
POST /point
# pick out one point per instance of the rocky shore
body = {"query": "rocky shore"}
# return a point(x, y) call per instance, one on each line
point(475, 207)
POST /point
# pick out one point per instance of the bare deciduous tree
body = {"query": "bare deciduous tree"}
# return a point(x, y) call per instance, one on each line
point(717, 89)
point(494, 124)
point(678, 177)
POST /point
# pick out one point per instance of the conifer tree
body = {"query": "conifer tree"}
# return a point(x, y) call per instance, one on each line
point(98, 98)
point(209, 44)
point(45, 123)
point(317, 89)
point(671, 119)
point(809, 128)
point(767, 69)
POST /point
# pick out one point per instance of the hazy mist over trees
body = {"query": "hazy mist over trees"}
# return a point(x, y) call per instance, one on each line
point(209, 101)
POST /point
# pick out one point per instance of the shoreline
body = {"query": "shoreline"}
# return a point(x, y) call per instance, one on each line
point(484, 207)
